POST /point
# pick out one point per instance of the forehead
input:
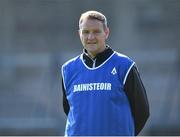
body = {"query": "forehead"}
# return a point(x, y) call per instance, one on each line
point(91, 24)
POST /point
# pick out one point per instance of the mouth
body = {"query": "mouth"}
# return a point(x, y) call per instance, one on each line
point(92, 43)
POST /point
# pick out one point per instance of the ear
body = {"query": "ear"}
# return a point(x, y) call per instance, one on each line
point(107, 31)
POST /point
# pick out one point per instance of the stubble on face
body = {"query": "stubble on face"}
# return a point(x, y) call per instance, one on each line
point(93, 36)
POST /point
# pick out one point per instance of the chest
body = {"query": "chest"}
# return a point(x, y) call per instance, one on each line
point(105, 78)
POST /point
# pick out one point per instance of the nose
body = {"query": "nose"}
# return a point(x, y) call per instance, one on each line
point(91, 36)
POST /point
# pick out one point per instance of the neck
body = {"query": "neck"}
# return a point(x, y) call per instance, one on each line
point(94, 54)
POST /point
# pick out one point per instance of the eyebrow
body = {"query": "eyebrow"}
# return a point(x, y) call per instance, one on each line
point(85, 29)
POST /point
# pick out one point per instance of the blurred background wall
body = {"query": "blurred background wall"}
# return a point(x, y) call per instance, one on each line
point(38, 36)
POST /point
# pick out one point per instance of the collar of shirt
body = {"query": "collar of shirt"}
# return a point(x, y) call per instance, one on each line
point(99, 59)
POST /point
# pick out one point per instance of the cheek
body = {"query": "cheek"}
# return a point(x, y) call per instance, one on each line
point(82, 38)
point(102, 39)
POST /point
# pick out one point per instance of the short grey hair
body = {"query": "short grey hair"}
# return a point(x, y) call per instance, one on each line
point(93, 15)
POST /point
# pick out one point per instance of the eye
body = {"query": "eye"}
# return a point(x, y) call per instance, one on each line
point(85, 31)
point(97, 31)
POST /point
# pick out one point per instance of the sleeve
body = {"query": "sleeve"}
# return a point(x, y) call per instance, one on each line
point(137, 96)
point(65, 101)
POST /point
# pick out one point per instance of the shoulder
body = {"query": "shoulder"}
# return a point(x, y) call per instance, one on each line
point(122, 57)
point(71, 61)
point(70, 65)
point(124, 62)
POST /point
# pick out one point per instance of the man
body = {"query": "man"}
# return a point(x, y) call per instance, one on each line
point(103, 94)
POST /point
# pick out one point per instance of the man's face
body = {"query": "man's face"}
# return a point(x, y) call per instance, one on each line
point(93, 36)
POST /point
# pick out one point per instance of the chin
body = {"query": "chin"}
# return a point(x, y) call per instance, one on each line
point(91, 49)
